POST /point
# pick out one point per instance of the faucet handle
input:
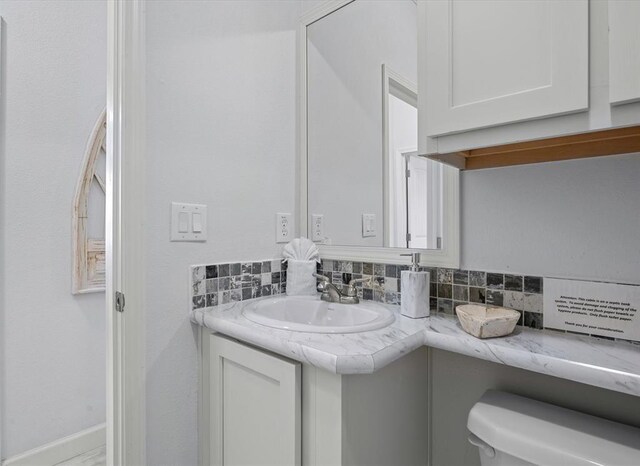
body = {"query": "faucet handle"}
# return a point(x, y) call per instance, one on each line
point(351, 288)
point(322, 278)
point(354, 281)
point(324, 281)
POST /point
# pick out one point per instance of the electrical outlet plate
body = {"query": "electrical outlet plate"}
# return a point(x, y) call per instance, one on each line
point(188, 222)
point(317, 227)
point(284, 227)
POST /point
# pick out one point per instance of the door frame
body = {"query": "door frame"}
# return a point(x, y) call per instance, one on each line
point(396, 177)
point(392, 79)
point(125, 258)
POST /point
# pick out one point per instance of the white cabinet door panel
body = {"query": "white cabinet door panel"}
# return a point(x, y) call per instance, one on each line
point(495, 62)
point(255, 407)
point(624, 51)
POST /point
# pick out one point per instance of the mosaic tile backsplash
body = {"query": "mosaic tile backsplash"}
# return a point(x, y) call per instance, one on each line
point(239, 281)
point(448, 288)
point(216, 284)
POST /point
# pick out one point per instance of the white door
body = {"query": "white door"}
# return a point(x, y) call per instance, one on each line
point(624, 51)
point(491, 62)
point(424, 185)
point(255, 406)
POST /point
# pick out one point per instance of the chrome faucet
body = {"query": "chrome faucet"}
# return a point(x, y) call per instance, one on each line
point(344, 294)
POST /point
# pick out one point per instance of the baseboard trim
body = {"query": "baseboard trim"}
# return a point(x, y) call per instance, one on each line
point(62, 449)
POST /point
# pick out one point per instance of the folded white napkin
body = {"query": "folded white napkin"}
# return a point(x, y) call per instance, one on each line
point(301, 256)
point(300, 279)
point(301, 249)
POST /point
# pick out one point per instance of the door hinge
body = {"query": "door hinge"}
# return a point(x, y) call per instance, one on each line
point(408, 236)
point(438, 242)
point(408, 173)
point(119, 301)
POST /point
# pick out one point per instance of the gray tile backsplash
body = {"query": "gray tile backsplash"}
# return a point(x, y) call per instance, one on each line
point(215, 284)
point(449, 287)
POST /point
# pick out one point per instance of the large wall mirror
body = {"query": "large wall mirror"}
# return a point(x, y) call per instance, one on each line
point(367, 192)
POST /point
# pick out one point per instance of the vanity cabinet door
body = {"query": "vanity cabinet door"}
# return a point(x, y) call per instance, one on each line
point(624, 51)
point(255, 406)
point(491, 62)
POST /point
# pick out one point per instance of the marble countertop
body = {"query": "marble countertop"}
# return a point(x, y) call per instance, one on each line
point(614, 365)
point(341, 353)
point(602, 363)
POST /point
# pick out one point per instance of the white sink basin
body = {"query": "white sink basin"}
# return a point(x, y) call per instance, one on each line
point(309, 314)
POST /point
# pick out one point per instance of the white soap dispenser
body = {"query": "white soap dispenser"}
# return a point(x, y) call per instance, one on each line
point(415, 290)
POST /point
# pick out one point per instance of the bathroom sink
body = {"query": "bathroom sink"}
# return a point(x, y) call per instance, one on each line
point(309, 314)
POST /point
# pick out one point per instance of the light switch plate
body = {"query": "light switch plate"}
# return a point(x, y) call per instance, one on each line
point(183, 227)
point(368, 225)
point(284, 227)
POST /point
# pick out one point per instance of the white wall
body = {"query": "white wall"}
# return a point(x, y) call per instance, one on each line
point(578, 219)
point(221, 131)
point(54, 81)
point(346, 50)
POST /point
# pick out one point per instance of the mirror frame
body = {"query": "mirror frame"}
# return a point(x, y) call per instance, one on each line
point(449, 255)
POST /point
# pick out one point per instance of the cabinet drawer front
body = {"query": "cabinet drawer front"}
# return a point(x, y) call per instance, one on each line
point(255, 406)
point(494, 62)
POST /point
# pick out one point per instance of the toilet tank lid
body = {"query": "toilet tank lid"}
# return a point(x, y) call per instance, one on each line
point(546, 434)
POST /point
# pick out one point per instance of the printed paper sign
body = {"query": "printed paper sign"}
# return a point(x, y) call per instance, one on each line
point(605, 309)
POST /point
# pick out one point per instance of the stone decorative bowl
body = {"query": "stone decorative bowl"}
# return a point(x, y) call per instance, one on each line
point(485, 321)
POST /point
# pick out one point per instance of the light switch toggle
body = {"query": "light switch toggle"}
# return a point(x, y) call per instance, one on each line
point(183, 222)
point(197, 222)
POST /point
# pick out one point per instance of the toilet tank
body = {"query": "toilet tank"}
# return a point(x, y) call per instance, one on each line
point(543, 434)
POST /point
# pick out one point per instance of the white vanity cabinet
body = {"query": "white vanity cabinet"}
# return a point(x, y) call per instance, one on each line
point(253, 403)
point(262, 409)
point(495, 72)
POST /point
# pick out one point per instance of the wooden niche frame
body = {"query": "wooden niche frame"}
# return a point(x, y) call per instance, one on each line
point(89, 254)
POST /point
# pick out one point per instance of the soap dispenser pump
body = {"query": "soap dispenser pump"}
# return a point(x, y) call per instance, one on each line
point(415, 290)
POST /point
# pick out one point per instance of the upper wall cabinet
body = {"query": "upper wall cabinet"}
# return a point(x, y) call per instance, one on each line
point(624, 51)
point(496, 62)
point(506, 83)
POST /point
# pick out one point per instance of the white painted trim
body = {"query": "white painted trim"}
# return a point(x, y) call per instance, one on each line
point(2, 216)
point(125, 209)
point(449, 255)
point(429, 432)
point(204, 396)
point(62, 449)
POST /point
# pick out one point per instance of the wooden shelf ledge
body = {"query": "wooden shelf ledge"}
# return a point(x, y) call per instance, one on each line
point(593, 144)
